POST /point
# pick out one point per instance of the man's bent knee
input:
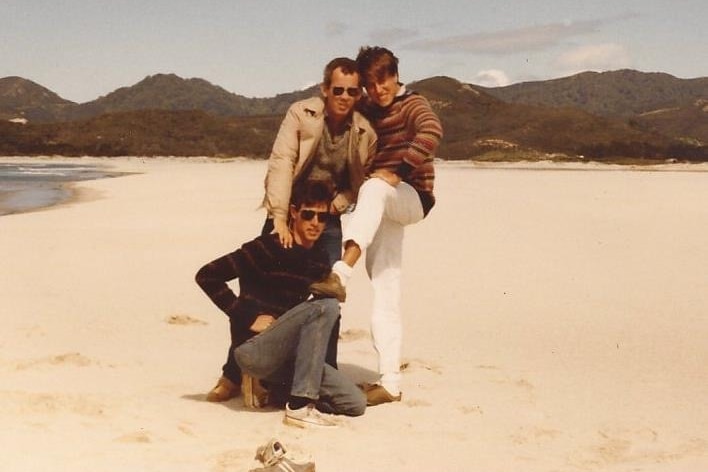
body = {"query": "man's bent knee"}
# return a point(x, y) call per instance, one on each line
point(358, 408)
point(243, 359)
point(329, 306)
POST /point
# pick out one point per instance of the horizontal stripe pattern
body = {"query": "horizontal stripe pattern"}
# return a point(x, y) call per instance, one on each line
point(272, 279)
point(409, 132)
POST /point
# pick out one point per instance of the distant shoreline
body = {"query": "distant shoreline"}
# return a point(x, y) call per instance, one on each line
point(52, 194)
point(30, 185)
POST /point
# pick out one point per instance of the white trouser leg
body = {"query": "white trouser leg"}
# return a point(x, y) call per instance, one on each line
point(377, 200)
point(377, 225)
point(383, 264)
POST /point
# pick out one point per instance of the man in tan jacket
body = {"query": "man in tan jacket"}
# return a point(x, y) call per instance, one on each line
point(321, 138)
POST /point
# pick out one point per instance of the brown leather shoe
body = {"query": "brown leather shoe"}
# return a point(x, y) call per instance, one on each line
point(255, 395)
point(376, 394)
point(224, 390)
point(330, 286)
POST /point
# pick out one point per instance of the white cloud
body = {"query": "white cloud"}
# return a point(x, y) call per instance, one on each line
point(509, 41)
point(518, 40)
point(491, 78)
point(392, 36)
point(596, 57)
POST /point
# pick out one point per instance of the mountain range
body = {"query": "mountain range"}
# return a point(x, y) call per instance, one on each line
point(615, 115)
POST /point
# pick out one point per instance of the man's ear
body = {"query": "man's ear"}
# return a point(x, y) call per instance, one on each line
point(293, 211)
point(323, 90)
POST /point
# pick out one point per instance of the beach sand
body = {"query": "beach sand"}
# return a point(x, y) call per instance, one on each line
point(555, 320)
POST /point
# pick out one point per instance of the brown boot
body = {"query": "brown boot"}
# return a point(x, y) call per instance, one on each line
point(224, 390)
point(376, 394)
point(330, 286)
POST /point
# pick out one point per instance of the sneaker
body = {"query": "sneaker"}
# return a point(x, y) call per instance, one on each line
point(255, 395)
point(272, 456)
point(330, 286)
point(376, 395)
point(308, 416)
point(287, 465)
point(271, 452)
point(224, 390)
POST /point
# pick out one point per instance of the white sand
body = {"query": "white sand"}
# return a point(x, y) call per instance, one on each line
point(555, 321)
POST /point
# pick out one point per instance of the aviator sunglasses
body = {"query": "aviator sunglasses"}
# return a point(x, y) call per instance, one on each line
point(322, 216)
point(351, 91)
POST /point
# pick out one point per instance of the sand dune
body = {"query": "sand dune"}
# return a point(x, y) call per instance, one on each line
point(555, 320)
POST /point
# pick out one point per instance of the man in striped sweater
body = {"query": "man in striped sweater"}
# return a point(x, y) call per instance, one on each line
point(398, 193)
point(281, 334)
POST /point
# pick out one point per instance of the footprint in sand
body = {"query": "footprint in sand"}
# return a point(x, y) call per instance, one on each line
point(34, 331)
point(47, 403)
point(533, 435)
point(487, 367)
point(186, 428)
point(69, 358)
point(417, 365)
point(471, 410)
point(415, 403)
point(520, 383)
point(622, 445)
point(350, 335)
point(235, 460)
point(184, 320)
point(136, 437)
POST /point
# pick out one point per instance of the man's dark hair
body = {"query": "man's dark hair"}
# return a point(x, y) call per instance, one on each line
point(376, 62)
point(348, 66)
point(311, 192)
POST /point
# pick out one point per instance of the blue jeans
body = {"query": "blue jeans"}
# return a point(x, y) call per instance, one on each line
point(292, 350)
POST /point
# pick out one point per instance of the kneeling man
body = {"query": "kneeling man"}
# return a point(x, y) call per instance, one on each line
point(281, 332)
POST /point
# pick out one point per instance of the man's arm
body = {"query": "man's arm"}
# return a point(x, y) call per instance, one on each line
point(279, 178)
point(213, 278)
point(426, 137)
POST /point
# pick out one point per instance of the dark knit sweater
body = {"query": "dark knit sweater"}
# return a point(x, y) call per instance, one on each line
point(409, 133)
point(271, 279)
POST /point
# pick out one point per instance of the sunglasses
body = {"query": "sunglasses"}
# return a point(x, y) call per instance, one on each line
point(322, 216)
point(351, 91)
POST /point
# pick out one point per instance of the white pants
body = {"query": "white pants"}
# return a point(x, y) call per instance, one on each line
point(376, 225)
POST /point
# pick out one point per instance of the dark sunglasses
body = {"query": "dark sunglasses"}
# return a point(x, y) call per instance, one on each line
point(351, 91)
point(322, 216)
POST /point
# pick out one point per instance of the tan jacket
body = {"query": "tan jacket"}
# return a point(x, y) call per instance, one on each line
point(296, 143)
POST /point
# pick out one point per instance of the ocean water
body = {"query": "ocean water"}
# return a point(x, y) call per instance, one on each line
point(29, 186)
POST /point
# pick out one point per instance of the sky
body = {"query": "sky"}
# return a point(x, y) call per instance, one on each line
point(83, 50)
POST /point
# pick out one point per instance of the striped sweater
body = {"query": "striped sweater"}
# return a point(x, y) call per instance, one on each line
point(409, 133)
point(271, 279)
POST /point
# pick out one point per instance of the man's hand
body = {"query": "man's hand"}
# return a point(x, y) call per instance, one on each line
point(386, 175)
point(281, 227)
point(262, 322)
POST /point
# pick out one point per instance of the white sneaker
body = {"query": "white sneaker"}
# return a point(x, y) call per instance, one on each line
point(271, 452)
point(272, 456)
point(308, 416)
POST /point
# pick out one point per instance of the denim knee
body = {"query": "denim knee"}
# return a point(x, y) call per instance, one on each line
point(242, 358)
point(329, 307)
point(359, 407)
